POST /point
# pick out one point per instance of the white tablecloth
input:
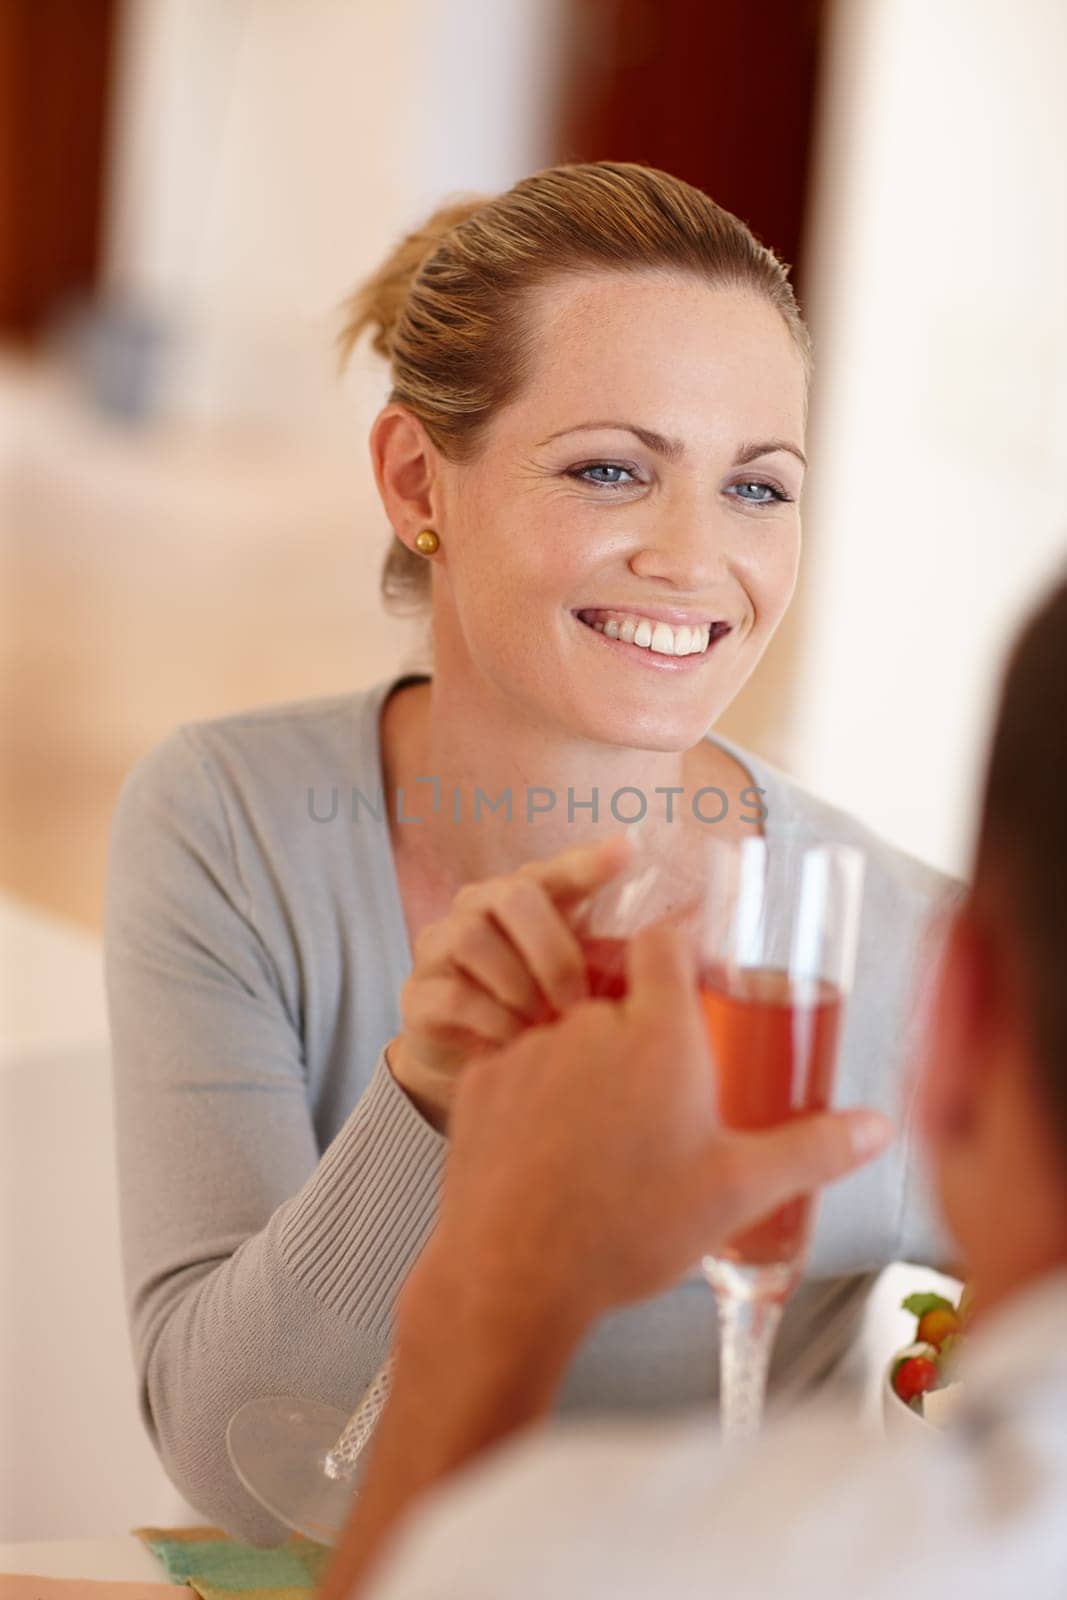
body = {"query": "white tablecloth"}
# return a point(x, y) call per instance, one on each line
point(116, 1560)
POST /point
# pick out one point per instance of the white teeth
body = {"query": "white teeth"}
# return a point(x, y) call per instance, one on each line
point(659, 637)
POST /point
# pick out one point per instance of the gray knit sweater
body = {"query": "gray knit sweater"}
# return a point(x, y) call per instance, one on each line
point(276, 1184)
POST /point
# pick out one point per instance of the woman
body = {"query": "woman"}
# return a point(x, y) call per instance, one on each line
point(592, 459)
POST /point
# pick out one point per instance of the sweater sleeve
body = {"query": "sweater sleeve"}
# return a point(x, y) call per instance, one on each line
point(254, 1264)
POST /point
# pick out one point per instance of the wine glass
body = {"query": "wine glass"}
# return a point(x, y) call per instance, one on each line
point(778, 936)
point(301, 1459)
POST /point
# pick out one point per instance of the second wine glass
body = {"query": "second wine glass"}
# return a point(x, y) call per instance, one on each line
point(301, 1460)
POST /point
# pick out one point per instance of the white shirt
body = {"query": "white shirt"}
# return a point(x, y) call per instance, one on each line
point(814, 1509)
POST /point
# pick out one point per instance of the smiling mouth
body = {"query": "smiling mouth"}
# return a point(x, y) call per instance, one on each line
point(655, 637)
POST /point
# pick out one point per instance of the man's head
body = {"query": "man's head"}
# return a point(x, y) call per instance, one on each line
point(995, 1086)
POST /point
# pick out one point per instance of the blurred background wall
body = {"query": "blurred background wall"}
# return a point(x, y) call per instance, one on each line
point(938, 503)
point(188, 523)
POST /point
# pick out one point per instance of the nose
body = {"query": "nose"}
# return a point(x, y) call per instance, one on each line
point(685, 546)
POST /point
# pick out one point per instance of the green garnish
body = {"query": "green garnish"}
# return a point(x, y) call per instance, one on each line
point(920, 1304)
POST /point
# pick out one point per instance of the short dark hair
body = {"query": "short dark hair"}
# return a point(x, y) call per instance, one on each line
point(1024, 824)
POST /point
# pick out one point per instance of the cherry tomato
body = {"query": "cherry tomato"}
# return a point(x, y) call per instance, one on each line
point(914, 1377)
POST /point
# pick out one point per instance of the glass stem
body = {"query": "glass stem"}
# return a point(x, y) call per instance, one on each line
point(343, 1459)
point(748, 1326)
point(750, 1301)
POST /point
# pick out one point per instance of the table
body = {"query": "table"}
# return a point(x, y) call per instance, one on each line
point(887, 1329)
point(119, 1560)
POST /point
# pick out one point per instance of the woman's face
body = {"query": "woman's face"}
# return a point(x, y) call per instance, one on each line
point(649, 471)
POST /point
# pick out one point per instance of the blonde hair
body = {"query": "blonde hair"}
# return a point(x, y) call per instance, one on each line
point(446, 307)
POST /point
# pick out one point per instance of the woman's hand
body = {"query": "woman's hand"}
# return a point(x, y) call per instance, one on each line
point(502, 960)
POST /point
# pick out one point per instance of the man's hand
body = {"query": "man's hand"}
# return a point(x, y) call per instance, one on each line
point(587, 1169)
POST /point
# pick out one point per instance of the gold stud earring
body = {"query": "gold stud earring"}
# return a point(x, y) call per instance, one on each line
point(427, 542)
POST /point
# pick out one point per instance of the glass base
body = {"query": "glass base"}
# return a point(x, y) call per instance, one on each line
point(278, 1448)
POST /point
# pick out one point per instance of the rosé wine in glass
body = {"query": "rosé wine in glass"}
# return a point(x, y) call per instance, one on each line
point(773, 1043)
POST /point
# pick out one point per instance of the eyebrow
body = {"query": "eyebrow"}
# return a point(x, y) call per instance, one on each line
point(674, 449)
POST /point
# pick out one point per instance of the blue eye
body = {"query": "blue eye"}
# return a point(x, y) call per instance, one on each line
point(766, 494)
point(582, 474)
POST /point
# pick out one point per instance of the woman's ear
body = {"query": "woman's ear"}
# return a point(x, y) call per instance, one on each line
point(404, 461)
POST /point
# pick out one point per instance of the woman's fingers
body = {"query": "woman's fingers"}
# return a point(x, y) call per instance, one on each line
point(453, 1006)
point(546, 944)
point(472, 942)
point(525, 906)
point(503, 959)
point(518, 917)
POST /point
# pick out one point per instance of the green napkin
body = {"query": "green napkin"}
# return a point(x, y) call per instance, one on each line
point(218, 1567)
